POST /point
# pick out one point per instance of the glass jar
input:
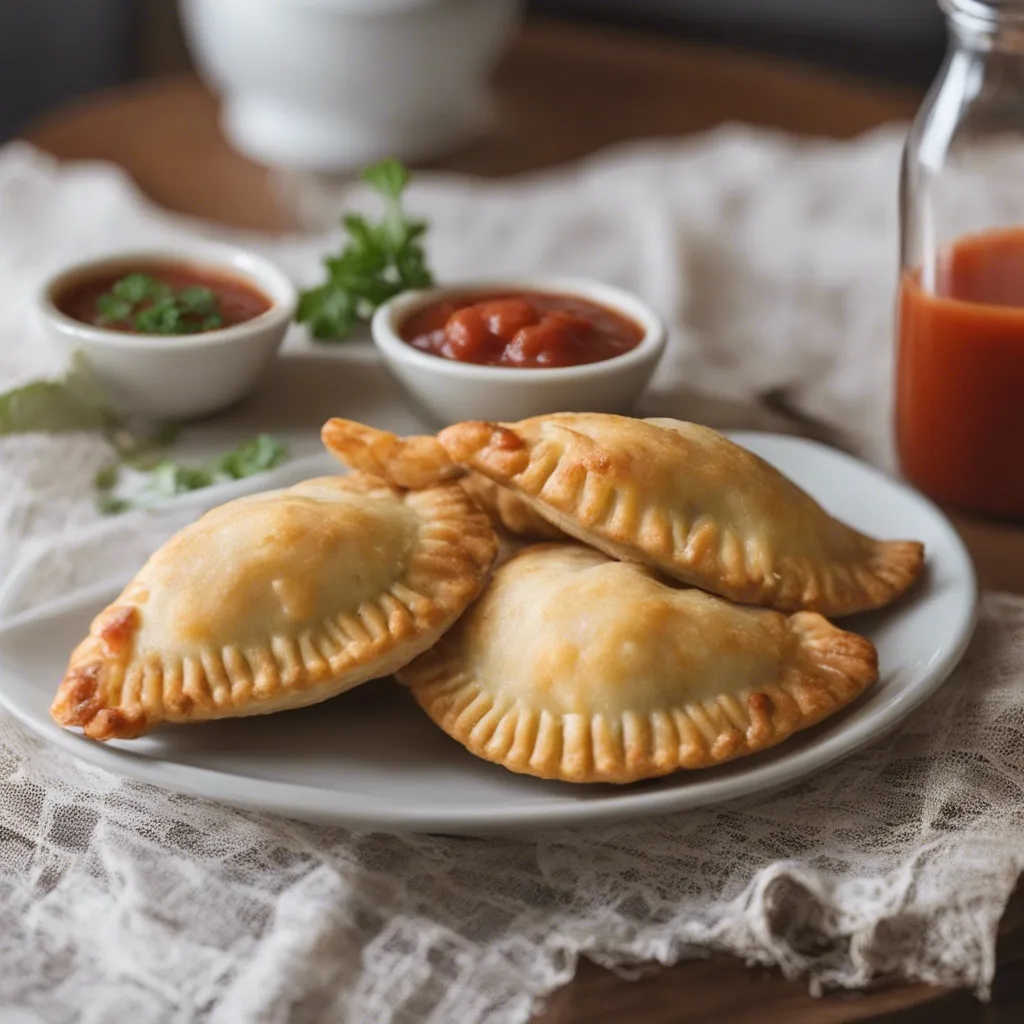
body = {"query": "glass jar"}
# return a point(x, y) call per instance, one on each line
point(960, 329)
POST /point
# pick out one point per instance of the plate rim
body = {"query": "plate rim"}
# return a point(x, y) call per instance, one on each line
point(359, 811)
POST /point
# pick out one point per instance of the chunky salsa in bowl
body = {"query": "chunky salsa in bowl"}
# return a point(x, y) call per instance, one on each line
point(524, 330)
point(515, 348)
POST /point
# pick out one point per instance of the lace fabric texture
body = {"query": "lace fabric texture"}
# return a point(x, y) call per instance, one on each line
point(774, 261)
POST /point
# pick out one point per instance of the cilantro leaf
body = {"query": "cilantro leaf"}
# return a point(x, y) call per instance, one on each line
point(113, 310)
point(329, 310)
point(388, 177)
point(198, 300)
point(168, 478)
point(251, 457)
point(160, 318)
point(363, 246)
point(378, 261)
point(109, 505)
point(74, 403)
point(145, 305)
point(106, 479)
point(134, 288)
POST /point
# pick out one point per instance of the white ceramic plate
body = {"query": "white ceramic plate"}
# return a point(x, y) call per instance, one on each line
point(370, 759)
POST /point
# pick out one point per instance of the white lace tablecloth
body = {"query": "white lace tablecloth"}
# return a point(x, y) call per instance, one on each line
point(774, 261)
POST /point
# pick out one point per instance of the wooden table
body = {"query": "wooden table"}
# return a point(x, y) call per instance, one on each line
point(561, 93)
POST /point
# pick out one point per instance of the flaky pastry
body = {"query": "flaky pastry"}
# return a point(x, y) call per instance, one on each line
point(279, 600)
point(421, 461)
point(688, 501)
point(577, 667)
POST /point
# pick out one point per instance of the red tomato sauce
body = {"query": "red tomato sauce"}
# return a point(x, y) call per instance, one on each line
point(238, 301)
point(525, 330)
point(960, 376)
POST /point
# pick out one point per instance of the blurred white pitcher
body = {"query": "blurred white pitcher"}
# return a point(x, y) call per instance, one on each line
point(333, 84)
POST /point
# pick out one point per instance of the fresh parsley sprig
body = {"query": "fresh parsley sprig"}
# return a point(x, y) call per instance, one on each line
point(141, 303)
point(378, 261)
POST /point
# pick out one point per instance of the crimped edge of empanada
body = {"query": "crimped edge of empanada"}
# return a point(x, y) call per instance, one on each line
point(408, 462)
point(507, 510)
point(580, 498)
point(421, 461)
point(110, 696)
point(825, 669)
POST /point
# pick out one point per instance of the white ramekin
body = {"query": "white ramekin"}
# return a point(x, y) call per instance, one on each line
point(451, 391)
point(172, 377)
point(334, 84)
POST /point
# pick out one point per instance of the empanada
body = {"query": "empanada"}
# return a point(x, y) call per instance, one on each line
point(573, 666)
point(276, 601)
point(421, 461)
point(690, 502)
point(507, 510)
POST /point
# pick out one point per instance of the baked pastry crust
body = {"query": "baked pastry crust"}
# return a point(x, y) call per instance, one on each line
point(421, 461)
point(408, 462)
point(576, 667)
point(508, 511)
point(688, 501)
point(279, 600)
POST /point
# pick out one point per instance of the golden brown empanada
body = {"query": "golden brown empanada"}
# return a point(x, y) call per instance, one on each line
point(276, 601)
point(685, 499)
point(410, 462)
point(420, 461)
point(573, 666)
point(507, 510)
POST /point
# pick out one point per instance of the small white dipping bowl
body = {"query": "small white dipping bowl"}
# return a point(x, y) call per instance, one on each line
point(172, 377)
point(451, 391)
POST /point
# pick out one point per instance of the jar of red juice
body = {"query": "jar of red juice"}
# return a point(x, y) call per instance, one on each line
point(960, 323)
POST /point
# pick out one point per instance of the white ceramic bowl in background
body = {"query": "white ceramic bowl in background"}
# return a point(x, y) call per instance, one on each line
point(174, 376)
point(334, 84)
point(451, 391)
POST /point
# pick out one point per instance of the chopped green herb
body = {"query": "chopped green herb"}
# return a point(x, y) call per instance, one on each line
point(135, 288)
point(113, 310)
point(198, 300)
point(377, 262)
point(251, 457)
point(106, 479)
point(388, 177)
point(108, 505)
point(141, 303)
point(59, 406)
point(167, 478)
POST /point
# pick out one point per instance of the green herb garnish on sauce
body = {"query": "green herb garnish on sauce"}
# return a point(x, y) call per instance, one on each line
point(378, 261)
point(144, 305)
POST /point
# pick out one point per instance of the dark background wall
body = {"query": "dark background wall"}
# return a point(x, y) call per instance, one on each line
point(893, 40)
point(54, 50)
